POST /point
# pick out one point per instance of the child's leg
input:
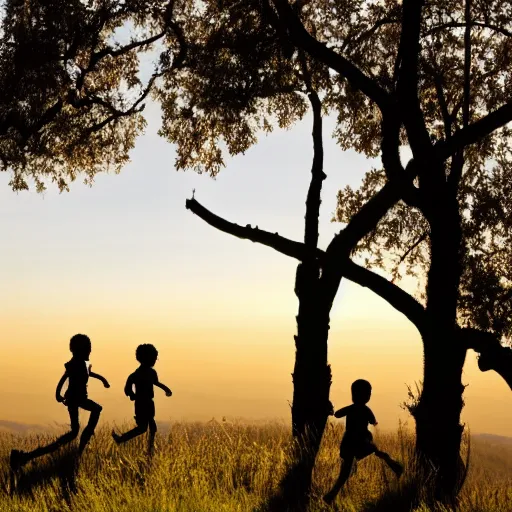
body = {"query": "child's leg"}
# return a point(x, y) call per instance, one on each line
point(19, 458)
point(152, 432)
point(134, 432)
point(393, 464)
point(346, 467)
point(94, 417)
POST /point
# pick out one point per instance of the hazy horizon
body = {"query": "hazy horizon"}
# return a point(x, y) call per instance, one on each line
point(126, 263)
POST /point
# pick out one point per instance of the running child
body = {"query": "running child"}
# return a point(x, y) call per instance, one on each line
point(143, 379)
point(77, 374)
point(357, 442)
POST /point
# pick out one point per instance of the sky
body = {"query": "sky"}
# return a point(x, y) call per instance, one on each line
point(126, 263)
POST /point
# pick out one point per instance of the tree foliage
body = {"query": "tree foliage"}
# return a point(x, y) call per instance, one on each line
point(241, 78)
point(400, 242)
point(72, 92)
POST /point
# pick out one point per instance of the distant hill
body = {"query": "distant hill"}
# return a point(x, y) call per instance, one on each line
point(21, 428)
point(15, 427)
point(493, 438)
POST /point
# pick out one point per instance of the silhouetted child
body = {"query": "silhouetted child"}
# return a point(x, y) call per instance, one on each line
point(143, 378)
point(77, 373)
point(357, 442)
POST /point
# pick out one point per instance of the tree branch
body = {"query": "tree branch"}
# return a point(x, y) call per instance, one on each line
point(390, 292)
point(360, 225)
point(474, 132)
point(137, 106)
point(467, 65)
point(283, 245)
point(390, 151)
point(368, 33)
point(493, 355)
point(313, 200)
point(47, 117)
point(301, 38)
point(407, 87)
point(455, 24)
point(441, 98)
point(109, 51)
point(412, 247)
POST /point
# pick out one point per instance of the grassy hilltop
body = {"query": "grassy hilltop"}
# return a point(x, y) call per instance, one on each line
point(231, 467)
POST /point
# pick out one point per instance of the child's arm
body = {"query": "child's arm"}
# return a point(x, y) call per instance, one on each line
point(58, 396)
point(168, 392)
point(340, 413)
point(372, 419)
point(157, 383)
point(99, 377)
point(128, 388)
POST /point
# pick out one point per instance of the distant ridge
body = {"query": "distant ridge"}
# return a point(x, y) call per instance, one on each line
point(493, 438)
point(15, 427)
point(21, 428)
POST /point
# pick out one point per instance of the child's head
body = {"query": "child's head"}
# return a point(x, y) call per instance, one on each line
point(361, 391)
point(146, 354)
point(80, 346)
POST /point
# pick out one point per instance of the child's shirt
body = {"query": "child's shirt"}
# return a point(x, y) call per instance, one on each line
point(78, 376)
point(358, 418)
point(143, 378)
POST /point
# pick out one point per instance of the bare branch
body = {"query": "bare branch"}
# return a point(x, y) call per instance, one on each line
point(317, 176)
point(283, 245)
point(390, 292)
point(394, 295)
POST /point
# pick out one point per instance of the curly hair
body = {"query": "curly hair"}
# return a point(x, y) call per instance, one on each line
point(146, 354)
point(79, 343)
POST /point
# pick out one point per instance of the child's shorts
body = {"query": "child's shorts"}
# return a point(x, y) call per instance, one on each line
point(144, 412)
point(357, 447)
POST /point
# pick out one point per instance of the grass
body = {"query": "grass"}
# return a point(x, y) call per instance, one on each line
point(229, 467)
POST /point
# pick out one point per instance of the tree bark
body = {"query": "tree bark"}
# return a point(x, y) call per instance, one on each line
point(437, 415)
point(311, 387)
point(311, 374)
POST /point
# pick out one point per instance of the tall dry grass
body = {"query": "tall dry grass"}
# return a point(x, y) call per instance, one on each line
point(230, 467)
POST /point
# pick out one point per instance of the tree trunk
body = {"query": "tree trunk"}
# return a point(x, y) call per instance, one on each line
point(438, 428)
point(437, 415)
point(311, 387)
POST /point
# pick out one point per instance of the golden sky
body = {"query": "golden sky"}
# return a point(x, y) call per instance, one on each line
point(126, 263)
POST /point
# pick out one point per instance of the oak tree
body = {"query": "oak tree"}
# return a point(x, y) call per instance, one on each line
point(431, 78)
